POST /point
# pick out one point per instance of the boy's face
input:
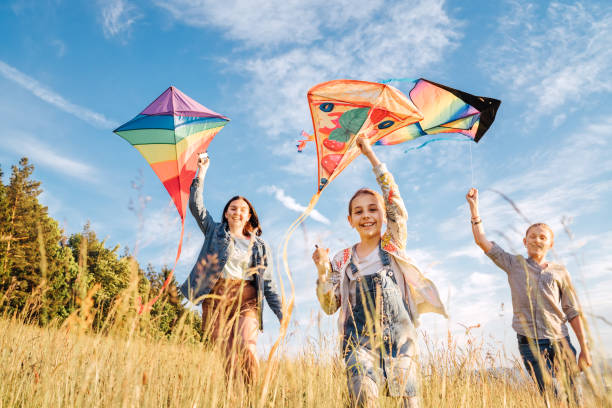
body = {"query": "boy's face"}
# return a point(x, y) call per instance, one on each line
point(538, 241)
point(367, 216)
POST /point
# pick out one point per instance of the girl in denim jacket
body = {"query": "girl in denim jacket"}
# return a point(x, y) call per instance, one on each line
point(380, 294)
point(231, 278)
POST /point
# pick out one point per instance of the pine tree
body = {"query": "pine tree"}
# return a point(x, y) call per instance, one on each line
point(34, 267)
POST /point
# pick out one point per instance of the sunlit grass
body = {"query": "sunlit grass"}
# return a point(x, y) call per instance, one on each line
point(60, 367)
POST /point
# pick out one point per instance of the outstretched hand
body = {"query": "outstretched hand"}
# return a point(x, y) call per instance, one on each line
point(321, 259)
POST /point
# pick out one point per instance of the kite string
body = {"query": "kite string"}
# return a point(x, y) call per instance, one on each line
point(471, 165)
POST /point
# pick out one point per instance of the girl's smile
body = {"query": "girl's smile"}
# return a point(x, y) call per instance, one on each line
point(367, 216)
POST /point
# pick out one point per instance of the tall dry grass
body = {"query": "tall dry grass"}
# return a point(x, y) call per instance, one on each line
point(122, 364)
point(63, 367)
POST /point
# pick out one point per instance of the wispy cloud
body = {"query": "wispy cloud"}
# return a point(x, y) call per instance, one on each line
point(301, 43)
point(290, 203)
point(551, 56)
point(362, 48)
point(567, 179)
point(53, 98)
point(118, 16)
point(44, 156)
point(269, 22)
point(60, 47)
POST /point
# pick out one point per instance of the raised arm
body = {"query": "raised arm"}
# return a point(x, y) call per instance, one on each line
point(477, 228)
point(196, 202)
point(395, 210)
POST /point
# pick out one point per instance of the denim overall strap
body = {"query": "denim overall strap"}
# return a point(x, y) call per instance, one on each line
point(384, 256)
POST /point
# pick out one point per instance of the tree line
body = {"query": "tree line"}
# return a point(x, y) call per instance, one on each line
point(46, 275)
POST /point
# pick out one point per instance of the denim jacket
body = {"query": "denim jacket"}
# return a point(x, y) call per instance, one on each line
point(420, 294)
point(214, 254)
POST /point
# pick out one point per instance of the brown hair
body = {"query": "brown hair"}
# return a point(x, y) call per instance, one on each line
point(253, 222)
point(369, 191)
point(541, 224)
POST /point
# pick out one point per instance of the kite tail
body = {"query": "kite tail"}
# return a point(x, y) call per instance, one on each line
point(302, 143)
point(287, 311)
point(146, 307)
point(452, 139)
point(386, 81)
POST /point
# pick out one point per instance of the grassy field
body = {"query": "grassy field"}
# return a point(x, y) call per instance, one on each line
point(68, 366)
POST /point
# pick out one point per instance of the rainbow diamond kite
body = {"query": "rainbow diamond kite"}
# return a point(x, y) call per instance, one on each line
point(168, 133)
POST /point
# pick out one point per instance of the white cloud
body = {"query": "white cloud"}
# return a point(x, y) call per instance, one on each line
point(270, 22)
point(552, 56)
point(117, 17)
point(300, 43)
point(290, 203)
point(44, 156)
point(401, 41)
point(47, 95)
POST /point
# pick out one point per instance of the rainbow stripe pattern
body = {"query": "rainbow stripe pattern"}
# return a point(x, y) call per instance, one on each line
point(168, 133)
point(445, 111)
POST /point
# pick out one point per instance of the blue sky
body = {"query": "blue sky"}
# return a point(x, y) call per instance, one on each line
point(71, 71)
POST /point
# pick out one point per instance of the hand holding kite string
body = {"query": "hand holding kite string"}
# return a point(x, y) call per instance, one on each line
point(321, 259)
point(366, 149)
point(168, 133)
point(203, 163)
point(472, 199)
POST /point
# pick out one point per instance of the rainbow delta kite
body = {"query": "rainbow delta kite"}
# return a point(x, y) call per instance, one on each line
point(169, 133)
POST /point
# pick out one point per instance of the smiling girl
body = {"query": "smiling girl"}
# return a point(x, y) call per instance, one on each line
point(380, 294)
point(231, 278)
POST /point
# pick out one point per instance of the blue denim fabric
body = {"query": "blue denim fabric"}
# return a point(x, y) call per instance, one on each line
point(214, 255)
point(393, 358)
point(548, 351)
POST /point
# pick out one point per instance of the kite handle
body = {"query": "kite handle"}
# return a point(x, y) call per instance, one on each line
point(146, 307)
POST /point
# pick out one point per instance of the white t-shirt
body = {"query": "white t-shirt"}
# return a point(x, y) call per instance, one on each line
point(368, 265)
point(237, 265)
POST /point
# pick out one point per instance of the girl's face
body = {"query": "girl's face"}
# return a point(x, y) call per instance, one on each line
point(367, 216)
point(237, 215)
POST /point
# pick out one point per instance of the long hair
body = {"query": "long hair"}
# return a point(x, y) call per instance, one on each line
point(252, 224)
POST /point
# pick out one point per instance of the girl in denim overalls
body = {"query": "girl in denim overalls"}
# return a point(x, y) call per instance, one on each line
point(380, 294)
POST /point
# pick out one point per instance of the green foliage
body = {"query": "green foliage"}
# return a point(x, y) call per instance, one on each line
point(45, 276)
point(32, 259)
